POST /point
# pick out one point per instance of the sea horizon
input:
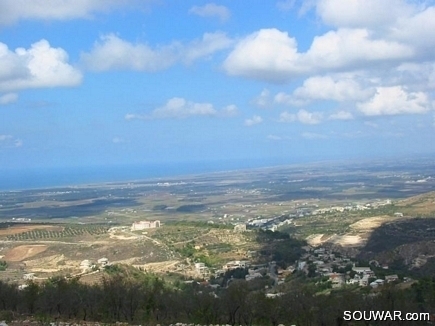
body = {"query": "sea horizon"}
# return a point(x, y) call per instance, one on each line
point(40, 178)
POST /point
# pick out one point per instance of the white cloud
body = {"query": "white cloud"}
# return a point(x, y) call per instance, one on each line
point(209, 44)
point(362, 13)
point(341, 115)
point(312, 135)
point(255, 120)
point(338, 88)
point(262, 100)
point(417, 30)
point(371, 124)
point(287, 117)
point(9, 141)
point(229, 111)
point(353, 48)
point(287, 99)
point(307, 117)
point(302, 116)
point(395, 100)
point(211, 10)
point(117, 140)
point(274, 137)
point(272, 55)
point(286, 5)
point(39, 66)
point(112, 52)
point(268, 54)
point(8, 98)
point(14, 10)
point(179, 108)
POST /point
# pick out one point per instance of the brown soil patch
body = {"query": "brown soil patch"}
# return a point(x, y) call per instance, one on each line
point(421, 204)
point(370, 223)
point(347, 240)
point(159, 267)
point(16, 229)
point(23, 252)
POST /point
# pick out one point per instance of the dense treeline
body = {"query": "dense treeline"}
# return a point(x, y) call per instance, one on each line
point(145, 299)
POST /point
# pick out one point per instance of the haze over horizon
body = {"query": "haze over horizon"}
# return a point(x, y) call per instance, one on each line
point(110, 83)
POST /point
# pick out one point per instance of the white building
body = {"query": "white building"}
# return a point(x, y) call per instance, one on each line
point(142, 225)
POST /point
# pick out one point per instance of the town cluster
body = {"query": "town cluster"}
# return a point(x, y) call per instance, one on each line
point(342, 270)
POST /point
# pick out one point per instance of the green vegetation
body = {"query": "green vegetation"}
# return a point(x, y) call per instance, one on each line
point(128, 295)
point(71, 230)
point(3, 265)
point(279, 247)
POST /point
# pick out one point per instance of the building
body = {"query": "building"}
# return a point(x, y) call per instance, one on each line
point(103, 261)
point(142, 225)
point(240, 228)
point(362, 270)
point(236, 264)
point(29, 276)
point(391, 278)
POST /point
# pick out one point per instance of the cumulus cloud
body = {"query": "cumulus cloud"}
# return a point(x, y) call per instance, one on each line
point(8, 98)
point(353, 48)
point(204, 47)
point(366, 34)
point(211, 10)
point(262, 100)
point(272, 55)
point(255, 120)
point(117, 140)
point(302, 116)
point(14, 10)
point(112, 52)
point(9, 141)
point(307, 117)
point(179, 108)
point(341, 115)
point(268, 54)
point(39, 66)
point(313, 135)
point(395, 100)
point(338, 88)
point(274, 137)
point(362, 13)
point(229, 111)
point(286, 5)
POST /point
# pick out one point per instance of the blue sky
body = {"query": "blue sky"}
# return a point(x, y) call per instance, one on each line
point(107, 82)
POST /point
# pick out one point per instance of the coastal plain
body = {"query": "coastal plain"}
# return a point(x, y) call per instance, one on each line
point(52, 231)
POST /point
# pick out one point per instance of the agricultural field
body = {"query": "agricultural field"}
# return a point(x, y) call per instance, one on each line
point(51, 231)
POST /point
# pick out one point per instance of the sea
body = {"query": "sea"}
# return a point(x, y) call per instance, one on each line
point(36, 178)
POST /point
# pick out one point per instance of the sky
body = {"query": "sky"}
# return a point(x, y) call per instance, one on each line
point(113, 82)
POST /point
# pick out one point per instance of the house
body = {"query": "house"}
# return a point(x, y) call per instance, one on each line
point(85, 264)
point(240, 228)
point(301, 265)
point(200, 268)
point(364, 281)
point(103, 261)
point(29, 276)
point(391, 278)
point(361, 270)
point(377, 283)
point(253, 276)
point(236, 264)
point(142, 225)
point(273, 295)
point(337, 279)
